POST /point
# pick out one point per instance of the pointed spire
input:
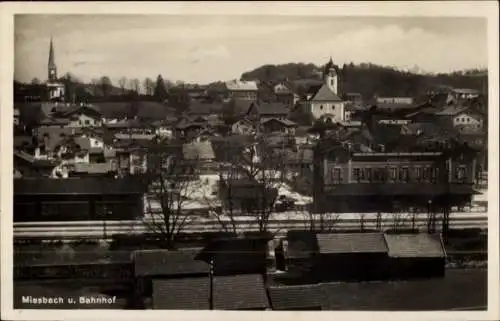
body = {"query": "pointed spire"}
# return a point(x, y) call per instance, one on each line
point(52, 63)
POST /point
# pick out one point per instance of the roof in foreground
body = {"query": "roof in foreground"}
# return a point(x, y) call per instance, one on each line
point(414, 245)
point(235, 292)
point(168, 263)
point(338, 243)
point(83, 185)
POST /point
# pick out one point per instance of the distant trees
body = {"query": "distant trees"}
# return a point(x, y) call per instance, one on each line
point(368, 79)
point(122, 82)
point(106, 86)
point(35, 81)
point(149, 86)
point(134, 85)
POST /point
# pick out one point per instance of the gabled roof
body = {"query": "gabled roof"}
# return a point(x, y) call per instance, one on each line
point(240, 292)
point(296, 297)
point(198, 151)
point(168, 263)
point(95, 168)
point(181, 294)
point(284, 122)
point(32, 160)
point(339, 243)
point(451, 110)
point(198, 108)
point(324, 93)
point(236, 292)
point(84, 186)
point(414, 245)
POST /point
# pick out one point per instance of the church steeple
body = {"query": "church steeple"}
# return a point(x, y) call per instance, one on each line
point(52, 68)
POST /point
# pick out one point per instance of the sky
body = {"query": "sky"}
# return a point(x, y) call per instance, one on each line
point(206, 48)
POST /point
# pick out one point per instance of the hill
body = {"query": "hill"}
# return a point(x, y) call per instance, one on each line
point(370, 79)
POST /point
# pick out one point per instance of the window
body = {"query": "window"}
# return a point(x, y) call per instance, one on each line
point(87, 122)
point(333, 107)
point(404, 174)
point(337, 175)
point(65, 211)
point(427, 173)
point(115, 210)
point(377, 174)
point(368, 174)
point(435, 175)
point(461, 173)
point(393, 173)
point(321, 107)
point(418, 173)
point(362, 174)
point(355, 174)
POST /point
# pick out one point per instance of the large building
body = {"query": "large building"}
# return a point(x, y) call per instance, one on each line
point(357, 171)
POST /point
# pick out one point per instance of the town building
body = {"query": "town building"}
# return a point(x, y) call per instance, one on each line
point(323, 101)
point(239, 89)
point(55, 88)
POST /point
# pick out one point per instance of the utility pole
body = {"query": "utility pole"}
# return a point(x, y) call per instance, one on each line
point(211, 284)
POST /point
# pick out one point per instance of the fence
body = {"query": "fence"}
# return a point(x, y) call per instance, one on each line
point(278, 224)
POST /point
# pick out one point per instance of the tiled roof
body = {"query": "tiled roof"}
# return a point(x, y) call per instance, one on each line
point(240, 292)
point(296, 297)
point(241, 85)
point(451, 110)
point(198, 151)
point(86, 109)
point(285, 122)
point(35, 162)
point(181, 294)
point(95, 168)
point(414, 245)
point(135, 136)
point(301, 244)
point(237, 255)
point(466, 91)
point(55, 121)
point(237, 292)
point(85, 186)
point(338, 243)
point(272, 109)
point(165, 263)
point(324, 93)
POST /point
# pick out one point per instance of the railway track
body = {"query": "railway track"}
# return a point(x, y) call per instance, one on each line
point(279, 224)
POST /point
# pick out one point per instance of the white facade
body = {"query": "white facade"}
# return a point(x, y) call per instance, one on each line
point(334, 111)
point(56, 91)
point(332, 81)
point(466, 119)
point(85, 121)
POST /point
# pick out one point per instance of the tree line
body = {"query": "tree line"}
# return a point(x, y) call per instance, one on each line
point(370, 79)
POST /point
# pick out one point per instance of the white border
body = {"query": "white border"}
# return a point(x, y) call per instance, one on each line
point(487, 9)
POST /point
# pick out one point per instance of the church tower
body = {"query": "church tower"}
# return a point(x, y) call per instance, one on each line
point(330, 77)
point(52, 68)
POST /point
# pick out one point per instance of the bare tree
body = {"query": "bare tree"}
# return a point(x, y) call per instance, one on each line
point(134, 84)
point(262, 166)
point(172, 183)
point(149, 86)
point(122, 82)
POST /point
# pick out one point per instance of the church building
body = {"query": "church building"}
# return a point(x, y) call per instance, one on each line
point(56, 89)
point(323, 101)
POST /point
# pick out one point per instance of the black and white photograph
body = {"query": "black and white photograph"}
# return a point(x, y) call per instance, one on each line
point(252, 161)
